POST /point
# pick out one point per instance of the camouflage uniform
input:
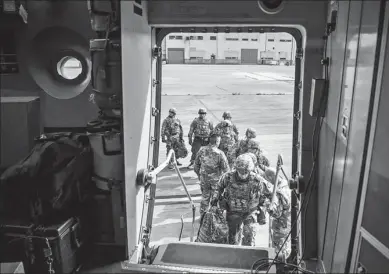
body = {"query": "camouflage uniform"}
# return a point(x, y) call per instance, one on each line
point(247, 145)
point(210, 164)
point(241, 198)
point(172, 132)
point(227, 134)
point(281, 219)
point(200, 128)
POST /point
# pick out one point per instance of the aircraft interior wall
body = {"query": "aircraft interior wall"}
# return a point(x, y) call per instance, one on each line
point(53, 25)
point(352, 50)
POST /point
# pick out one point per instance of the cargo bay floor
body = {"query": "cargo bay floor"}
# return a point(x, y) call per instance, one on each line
point(258, 96)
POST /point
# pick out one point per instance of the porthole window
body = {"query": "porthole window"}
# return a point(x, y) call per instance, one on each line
point(69, 67)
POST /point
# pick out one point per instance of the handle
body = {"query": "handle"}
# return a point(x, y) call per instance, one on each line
point(109, 153)
point(74, 236)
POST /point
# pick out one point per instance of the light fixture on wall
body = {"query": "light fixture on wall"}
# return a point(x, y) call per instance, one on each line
point(215, 30)
point(250, 30)
point(239, 30)
point(227, 30)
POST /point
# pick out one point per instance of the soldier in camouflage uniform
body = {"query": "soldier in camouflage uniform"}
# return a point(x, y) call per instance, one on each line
point(172, 133)
point(248, 145)
point(240, 192)
point(261, 214)
point(253, 147)
point(210, 165)
point(227, 135)
point(201, 127)
point(281, 222)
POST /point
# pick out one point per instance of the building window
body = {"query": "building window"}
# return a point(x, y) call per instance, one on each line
point(285, 40)
point(232, 39)
point(212, 38)
point(254, 39)
point(270, 40)
point(195, 58)
point(245, 39)
point(231, 58)
point(178, 37)
point(199, 37)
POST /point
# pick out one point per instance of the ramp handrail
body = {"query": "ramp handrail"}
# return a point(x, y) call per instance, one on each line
point(153, 176)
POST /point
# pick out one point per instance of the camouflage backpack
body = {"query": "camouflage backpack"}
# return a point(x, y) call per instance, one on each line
point(213, 227)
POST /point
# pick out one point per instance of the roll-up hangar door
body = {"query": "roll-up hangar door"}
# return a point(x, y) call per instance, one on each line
point(249, 56)
point(175, 56)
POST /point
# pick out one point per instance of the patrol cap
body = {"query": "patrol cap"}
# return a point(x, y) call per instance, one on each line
point(173, 110)
point(227, 114)
point(202, 111)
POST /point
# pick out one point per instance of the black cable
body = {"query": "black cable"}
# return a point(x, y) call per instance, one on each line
point(265, 262)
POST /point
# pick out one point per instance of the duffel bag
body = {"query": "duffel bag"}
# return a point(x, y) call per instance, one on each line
point(213, 227)
point(56, 176)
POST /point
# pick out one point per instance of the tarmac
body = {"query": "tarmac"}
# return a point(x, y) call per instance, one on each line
point(257, 96)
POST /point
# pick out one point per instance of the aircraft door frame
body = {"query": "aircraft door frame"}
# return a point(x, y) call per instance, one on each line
point(161, 33)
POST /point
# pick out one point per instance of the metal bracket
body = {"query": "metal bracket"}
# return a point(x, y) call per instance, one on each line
point(153, 139)
point(154, 111)
point(300, 53)
point(297, 115)
point(155, 82)
point(157, 52)
point(300, 85)
point(297, 145)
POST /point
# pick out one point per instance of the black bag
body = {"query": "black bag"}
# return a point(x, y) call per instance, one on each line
point(51, 181)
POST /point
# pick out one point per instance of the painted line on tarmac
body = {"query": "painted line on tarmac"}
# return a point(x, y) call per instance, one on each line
point(208, 110)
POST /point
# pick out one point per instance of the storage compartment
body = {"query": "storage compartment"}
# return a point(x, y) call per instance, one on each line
point(29, 244)
point(17, 141)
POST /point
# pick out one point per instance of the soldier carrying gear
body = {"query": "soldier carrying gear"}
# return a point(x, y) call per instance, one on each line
point(253, 147)
point(201, 127)
point(227, 116)
point(281, 214)
point(210, 165)
point(240, 193)
point(241, 147)
point(227, 135)
point(172, 134)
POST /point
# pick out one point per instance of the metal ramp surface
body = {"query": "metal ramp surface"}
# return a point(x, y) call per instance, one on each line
point(203, 258)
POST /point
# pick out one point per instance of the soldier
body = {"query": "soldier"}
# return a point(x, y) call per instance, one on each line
point(201, 127)
point(240, 192)
point(227, 140)
point(241, 147)
point(281, 222)
point(210, 165)
point(229, 133)
point(172, 134)
point(253, 147)
point(227, 117)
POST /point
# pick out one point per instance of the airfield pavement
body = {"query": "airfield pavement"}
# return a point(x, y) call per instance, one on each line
point(258, 96)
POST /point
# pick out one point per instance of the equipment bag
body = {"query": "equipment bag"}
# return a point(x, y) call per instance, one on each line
point(213, 227)
point(55, 178)
point(182, 151)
